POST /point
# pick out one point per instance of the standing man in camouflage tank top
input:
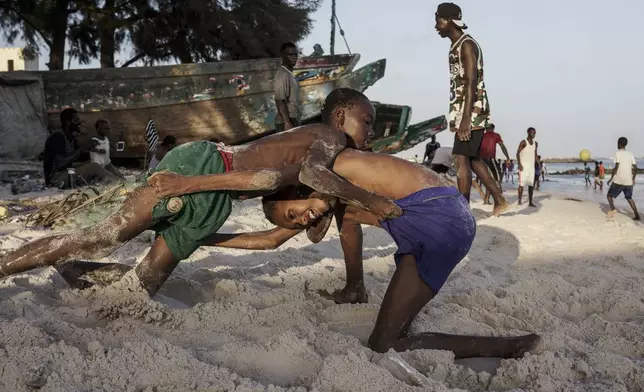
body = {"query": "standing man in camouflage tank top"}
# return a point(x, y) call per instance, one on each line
point(469, 109)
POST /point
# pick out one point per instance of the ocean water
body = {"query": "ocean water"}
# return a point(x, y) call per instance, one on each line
point(574, 185)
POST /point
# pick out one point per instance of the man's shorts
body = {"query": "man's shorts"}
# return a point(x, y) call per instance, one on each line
point(615, 190)
point(494, 169)
point(185, 221)
point(469, 148)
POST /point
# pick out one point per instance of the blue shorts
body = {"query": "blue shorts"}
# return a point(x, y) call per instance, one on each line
point(616, 189)
point(437, 228)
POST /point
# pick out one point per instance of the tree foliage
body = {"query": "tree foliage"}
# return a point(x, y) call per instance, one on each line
point(157, 30)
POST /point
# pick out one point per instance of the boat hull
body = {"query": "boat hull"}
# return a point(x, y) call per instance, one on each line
point(230, 102)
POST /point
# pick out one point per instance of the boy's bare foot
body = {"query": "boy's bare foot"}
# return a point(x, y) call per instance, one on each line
point(636, 218)
point(531, 205)
point(500, 208)
point(527, 343)
point(347, 295)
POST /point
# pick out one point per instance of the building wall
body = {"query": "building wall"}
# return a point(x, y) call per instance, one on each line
point(19, 62)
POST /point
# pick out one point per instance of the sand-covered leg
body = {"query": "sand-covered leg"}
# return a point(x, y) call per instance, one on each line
point(406, 295)
point(84, 274)
point(134, 216)
point(156, 267)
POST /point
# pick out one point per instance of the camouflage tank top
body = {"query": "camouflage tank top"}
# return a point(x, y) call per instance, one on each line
point(481, 111)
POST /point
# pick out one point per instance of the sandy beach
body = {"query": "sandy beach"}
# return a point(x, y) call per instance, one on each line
point(233, 320)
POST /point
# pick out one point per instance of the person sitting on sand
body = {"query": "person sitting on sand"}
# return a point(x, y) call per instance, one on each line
point(100, 151)
point(63, 152)
point(622, 178)
point(433, 235)
point(204, 201)
point(526, 159)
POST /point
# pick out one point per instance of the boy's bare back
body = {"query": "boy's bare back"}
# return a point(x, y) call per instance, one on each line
point(386, 175)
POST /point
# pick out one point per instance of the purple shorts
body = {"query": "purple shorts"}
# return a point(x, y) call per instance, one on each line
point(437, 228)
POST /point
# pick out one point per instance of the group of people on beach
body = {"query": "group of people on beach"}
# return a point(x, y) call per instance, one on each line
point(309, 175)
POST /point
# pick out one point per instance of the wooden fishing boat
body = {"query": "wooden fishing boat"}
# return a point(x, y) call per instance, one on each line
point(229, 102)
point(393, 132)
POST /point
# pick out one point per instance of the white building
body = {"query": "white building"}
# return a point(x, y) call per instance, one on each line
point(12, 59)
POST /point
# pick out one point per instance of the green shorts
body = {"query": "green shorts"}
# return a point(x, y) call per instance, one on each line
point(186, 221)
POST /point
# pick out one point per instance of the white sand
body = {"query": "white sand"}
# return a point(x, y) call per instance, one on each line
point(251, 321)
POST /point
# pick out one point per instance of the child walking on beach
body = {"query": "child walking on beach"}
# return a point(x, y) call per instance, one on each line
point(622, 178)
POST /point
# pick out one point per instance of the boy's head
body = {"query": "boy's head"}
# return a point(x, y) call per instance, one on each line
point(351, 112)
point(102, 127)
point(448, 18)
point(293, 208)
point(622, 142)
point(490, 128)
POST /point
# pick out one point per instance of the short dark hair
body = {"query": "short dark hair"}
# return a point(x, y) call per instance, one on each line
point(622, 141)
point(169, 140)
point(491, 126)
point(287, 45)
point(292, 192)
point(532, 129)
point(67, 115)
point(344, 98)
point(100, 121)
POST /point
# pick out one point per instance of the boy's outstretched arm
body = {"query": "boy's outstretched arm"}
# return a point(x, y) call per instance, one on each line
point(260, 240)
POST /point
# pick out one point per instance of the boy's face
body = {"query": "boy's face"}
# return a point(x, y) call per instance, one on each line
point(357, 123)
point(103, 128)
point(298, 214)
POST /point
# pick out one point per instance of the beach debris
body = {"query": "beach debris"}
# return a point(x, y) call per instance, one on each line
point(393, 362)
point(47, 215)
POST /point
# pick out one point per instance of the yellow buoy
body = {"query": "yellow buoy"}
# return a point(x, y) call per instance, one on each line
point(584, 155)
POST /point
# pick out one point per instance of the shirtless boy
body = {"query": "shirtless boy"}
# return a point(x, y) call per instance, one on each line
point(433, 235)
point(201, 175)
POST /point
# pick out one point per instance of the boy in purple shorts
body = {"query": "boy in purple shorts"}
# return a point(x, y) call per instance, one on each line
point(433, 235)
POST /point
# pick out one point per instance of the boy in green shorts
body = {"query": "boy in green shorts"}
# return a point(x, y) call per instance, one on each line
point(189, 197)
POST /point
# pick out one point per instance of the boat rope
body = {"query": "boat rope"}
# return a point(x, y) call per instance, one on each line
point(342, 34)
point(332, 42)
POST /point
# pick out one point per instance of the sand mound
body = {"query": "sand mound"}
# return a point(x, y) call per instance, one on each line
point(233, 320)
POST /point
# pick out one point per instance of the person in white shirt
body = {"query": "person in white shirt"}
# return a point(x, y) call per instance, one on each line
point(100, 151)
point(622, 178)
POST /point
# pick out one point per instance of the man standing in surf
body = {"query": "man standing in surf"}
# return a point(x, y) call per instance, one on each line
point(469, 109)
point(527, 158)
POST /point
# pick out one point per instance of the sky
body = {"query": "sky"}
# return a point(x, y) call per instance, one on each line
point(571, 69)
